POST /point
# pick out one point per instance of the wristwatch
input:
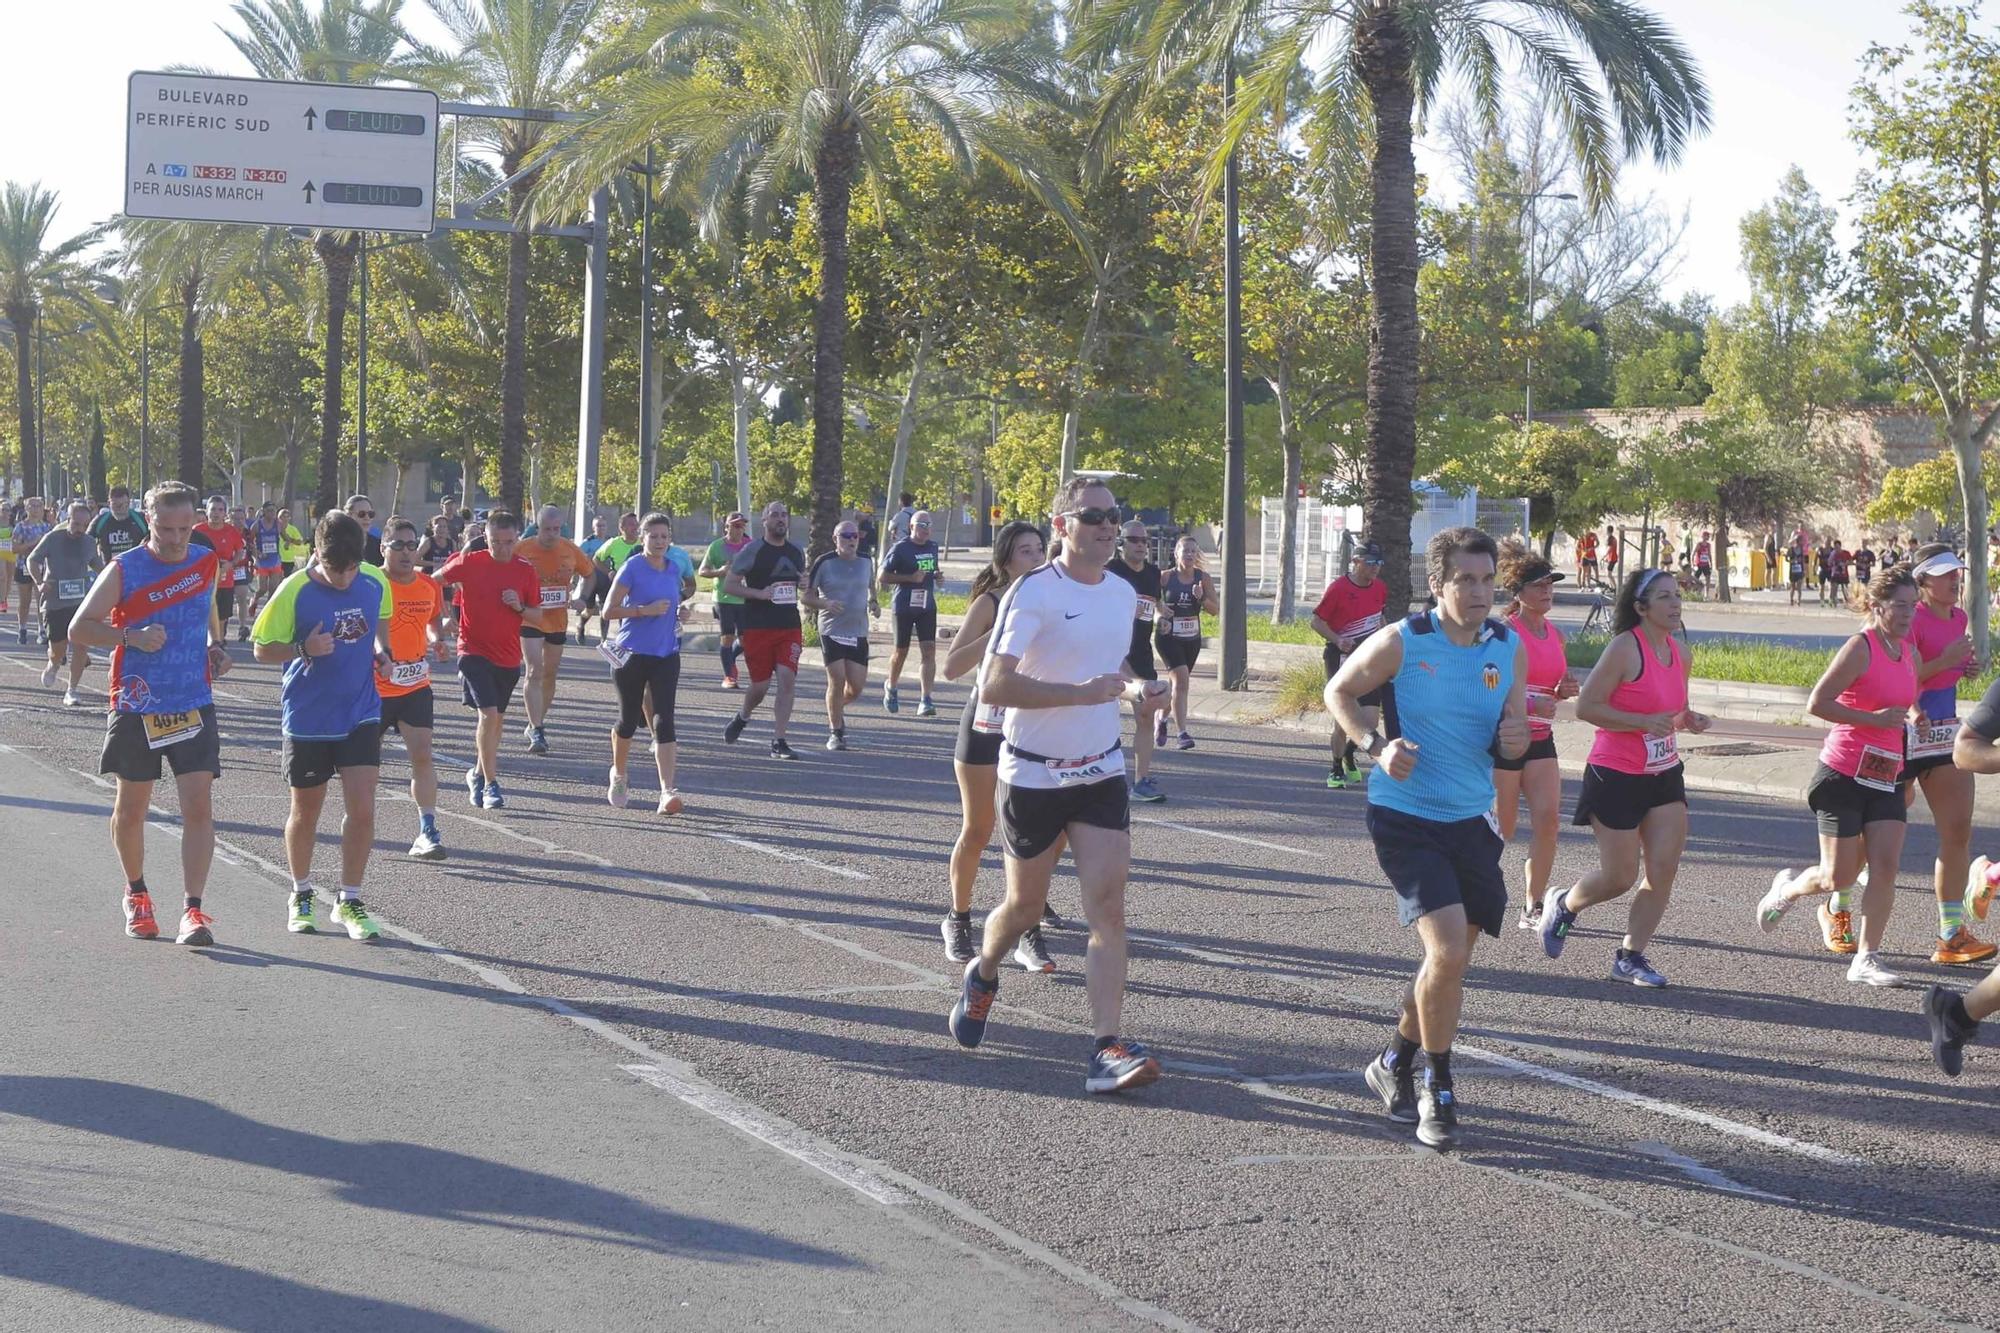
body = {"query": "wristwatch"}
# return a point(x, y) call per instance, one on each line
point(1376, 740)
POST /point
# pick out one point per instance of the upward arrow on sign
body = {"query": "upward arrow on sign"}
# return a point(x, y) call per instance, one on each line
point(309, 191)
point(309, 120)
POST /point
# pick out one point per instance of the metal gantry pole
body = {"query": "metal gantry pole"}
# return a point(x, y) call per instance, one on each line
point(648, 427)
point(590, 408)
point(361, 424)
point(1235, 665)
point(145, 403)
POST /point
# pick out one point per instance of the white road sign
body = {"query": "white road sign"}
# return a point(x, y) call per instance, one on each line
point(200, 148)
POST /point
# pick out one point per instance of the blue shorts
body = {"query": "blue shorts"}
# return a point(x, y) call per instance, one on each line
point(1434, 864)
point(486, 685)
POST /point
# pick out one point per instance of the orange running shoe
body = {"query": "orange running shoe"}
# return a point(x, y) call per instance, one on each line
point(139, 923)
point(1979, 888)
point(1963, 947)
point(1837, 929)
point(195, 930)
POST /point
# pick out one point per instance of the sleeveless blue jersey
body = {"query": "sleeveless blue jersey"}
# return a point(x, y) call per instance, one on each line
point(1448, 701)
point(178, 598)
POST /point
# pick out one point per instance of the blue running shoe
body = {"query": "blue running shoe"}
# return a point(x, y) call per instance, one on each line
point(1631, 965)
point(1556, 921)
point(475, 787)
point(968, 1016)
point(1121, 1065)
point(494, 800)
point(889, 700)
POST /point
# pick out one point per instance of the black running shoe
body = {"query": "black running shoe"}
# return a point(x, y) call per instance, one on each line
point(1050, 920)
point(1437, 1117)
point(734, 730)
point(780, 750)
point(1397, 1088)
point(957, 938)
point(975, 998)
point(1948, 1035)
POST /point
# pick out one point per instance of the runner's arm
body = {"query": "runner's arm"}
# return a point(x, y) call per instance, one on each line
point(1848, 666)
point(969, 644)
point(1210, 601)
point(1321, 628)
point(1370, 667)
point(1619, 664)
point(617, 602)
point(1975, 750)
point(1003, 686)
point(91, 626)
point(1513, 734)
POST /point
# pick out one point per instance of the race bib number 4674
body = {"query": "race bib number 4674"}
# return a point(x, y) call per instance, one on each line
point(165, 729)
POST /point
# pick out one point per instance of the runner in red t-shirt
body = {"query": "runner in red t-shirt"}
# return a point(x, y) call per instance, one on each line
point(1348, 612)
point(495, 586)
point(227, 539)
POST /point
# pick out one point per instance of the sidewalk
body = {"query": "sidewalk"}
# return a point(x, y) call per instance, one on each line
point(306, 1132)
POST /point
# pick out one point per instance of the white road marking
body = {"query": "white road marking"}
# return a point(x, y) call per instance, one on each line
point(1229, 837)
point(1706, 1175)
point(783, 855)
point(1285, 1158)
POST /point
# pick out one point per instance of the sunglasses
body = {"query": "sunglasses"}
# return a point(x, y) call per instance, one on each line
point(848, 536)
point(1094, 515)
point(361, 513)
point(401, 544)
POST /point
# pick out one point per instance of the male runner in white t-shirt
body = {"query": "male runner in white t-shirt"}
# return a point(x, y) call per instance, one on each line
point(1053, 661)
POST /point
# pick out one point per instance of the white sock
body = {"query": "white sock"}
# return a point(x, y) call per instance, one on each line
point(350, 893)
point(304, 886)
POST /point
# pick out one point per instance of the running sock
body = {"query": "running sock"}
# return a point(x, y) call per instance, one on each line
point(1951, 919)
point(302, 886)
point(427, 819)
point(1842, 901)
point(193, 904)
point(1400, 1055)
point(963, 917)
point(136, 886)
point(1440, 1068)
point(350, 893)
point(1960, 1022)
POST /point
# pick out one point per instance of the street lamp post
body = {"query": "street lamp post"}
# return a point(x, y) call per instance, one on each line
point(1528, 200)
point(648, 428)
point(1234, 668)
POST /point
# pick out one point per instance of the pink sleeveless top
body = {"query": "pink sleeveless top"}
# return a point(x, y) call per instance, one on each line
point(1659, 689)
point(1874, 755)
point(1547, 664)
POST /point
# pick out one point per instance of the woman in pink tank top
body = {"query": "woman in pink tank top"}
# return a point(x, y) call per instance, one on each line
point(1532, 582)
point(1866, 693)
point(1634, 797)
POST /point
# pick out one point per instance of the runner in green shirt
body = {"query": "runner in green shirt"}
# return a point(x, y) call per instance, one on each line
point(728, 610)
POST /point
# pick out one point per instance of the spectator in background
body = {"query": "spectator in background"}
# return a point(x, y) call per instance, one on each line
point(899, 524)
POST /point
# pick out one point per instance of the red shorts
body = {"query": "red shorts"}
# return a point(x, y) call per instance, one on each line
point(765, 650)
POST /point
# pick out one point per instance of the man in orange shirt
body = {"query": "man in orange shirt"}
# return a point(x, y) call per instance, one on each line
point(565, 573)
point(416, 639)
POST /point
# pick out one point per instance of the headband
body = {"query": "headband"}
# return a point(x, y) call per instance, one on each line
point(1648, 582)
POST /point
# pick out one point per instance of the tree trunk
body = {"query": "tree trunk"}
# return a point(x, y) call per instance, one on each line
point(337, 257)
point(23, 315)
point(100, 485)
point(833, 179)
point(1972, 488)
point(1283, 608)
point(294, 454)
point(1382, 50)
point(739, 402)
point(1721, 550)
point(396, 495)
point(194, 399)
point(906, 417)
point(514, 359)
point(1080, 374)
point(468, 475)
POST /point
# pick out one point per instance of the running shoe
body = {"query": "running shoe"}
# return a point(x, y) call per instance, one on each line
point(242, 634)
point(957, 938)
point(1771, 908)
point(1531, 917)
point(350, 913)
point(889, 700)
point(71, 699)
point(475, 787)
point(1186, 742)
point(968, 1017)
point(1979, 888)
point(1160, 729)
point(780, 750)
point(1032, 954)
point(299, 920)
point(492, 799)
point(1948, 1033)
point(1121, 1065)
point(1867, 969)
point(1836, 929)
point(1631, 965)
point(734, 729)
point(1335, 781)
point(1963, 947)
point(538, 740)
point(139, 922)
point(836, 740)
point(1353, 769)
point(729, 681)
point(49, 676)
point(1556, 922)
point(195, 930)
point(619, 792)
point(1396, 1088)
point(1050, 919)
point(428, 846)
point(925, 708)
point(1147, 790)
point(671, 802)
point(1437, 1116)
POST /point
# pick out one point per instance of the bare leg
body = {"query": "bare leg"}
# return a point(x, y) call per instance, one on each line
point(1507, 800)
point(1617, 868)
point(977, 787)
point(781, 707)
point(79, 658)
point(1883, 840)
point(487, 742)
point(621, 751)
point(1948, 792)
point(533, 653)
point(927, 669)
point(552, 656)
point(1544, 788)
point(1432, 1003)
point(302, 828)
point(665, 755)
point(423, 767)
point(1983, 1000)
point(197, 830)
point(1027, 892)
point(128, 826)
point(357, 824)
point(1103, 860)
point(1839, 866)
point(896, 656)
point(1662, 835)
point(1142, 744)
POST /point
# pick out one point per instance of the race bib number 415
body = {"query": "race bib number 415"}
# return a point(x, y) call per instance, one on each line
point(784, 594)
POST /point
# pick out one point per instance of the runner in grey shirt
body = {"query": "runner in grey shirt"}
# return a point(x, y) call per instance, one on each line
point(845, 585)
point(63, 564)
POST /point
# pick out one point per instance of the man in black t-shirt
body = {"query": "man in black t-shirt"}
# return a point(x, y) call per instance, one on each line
point(1135, 567)
point(912, 570)
point(770, 577)
point(119, 528)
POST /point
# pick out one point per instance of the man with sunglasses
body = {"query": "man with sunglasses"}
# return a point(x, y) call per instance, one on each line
point(362, 510)
point(912, 569)
point(1136, 567)
point(1054, 663)
point(844, 583)
point(728, 609)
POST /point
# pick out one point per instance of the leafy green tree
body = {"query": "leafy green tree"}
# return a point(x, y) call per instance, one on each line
point(36, 275)
point(1550, 466)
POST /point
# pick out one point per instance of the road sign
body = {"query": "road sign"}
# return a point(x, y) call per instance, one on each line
point(203, 148)
point(997, 515)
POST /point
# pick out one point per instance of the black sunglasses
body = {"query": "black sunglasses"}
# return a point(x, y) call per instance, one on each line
point(1094, 515)
point(401, 544)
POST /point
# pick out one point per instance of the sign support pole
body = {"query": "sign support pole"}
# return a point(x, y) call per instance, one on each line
point(590, 411)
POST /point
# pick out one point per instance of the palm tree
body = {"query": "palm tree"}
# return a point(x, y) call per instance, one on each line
point(1380, 66)
point(193, 266)
point(746, 100)
point(341, 41)
point(34, 276)
point(522, 53)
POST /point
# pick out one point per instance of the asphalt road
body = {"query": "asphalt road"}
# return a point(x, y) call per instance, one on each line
point(1762, 1144)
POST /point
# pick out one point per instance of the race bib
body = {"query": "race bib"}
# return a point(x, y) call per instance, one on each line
point(1093, 768)
point(989, 719)
point(1927, 740)
point(920, 599)
point(613, 654)
point(165, 729)
point(1146, 610)
point(554, 596)
point(409, 675)
point(784, 594)
point(1187, 627)
point(71, 590)
point(1537, 724)
point(1662, 753)
point(1879, 768)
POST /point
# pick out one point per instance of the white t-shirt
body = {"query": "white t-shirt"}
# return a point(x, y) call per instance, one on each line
point(1067, 632)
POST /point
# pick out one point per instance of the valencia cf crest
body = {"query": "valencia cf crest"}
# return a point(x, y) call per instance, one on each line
point(1491, 676)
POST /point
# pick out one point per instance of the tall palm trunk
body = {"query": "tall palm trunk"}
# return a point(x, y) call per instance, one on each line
point(833, 178)
point(337, 257)
point(22, 316)
point(1283, 606)
point(1383, 52)
point(514, 358)
point(100, 489)
point(194, 401)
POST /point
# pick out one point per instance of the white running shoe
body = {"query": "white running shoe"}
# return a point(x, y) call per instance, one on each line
point(71, 699)
point(671, 802)
point(49, 676)
point(1867, 969)
point(619, 791)
point(1771, 908)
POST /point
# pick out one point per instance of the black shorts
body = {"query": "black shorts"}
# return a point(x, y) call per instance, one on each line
point(418, 708)
point(1543, 747)
point(127, 756)
point(922, 623)
point(487, 685)
point(981, 749)
point(857, 651)
point(600, 583)
point(729, 615)
point(558, 638)
point(1177, 653)
point(59, 619)
point(225, 600)
point(310, 763)
point(1032, 818)
point(1845, 806)
point(1433, 865)
point(1140, 656)
point(21, 574)
point(1331, 658)
point(1620, 800)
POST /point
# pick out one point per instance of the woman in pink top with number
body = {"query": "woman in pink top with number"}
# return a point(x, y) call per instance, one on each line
point(1531, 581)
point(1634, 797)
point(1857, 790)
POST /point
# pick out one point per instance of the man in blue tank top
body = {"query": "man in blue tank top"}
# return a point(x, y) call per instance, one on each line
point(154, 607)
point(1461, 692)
